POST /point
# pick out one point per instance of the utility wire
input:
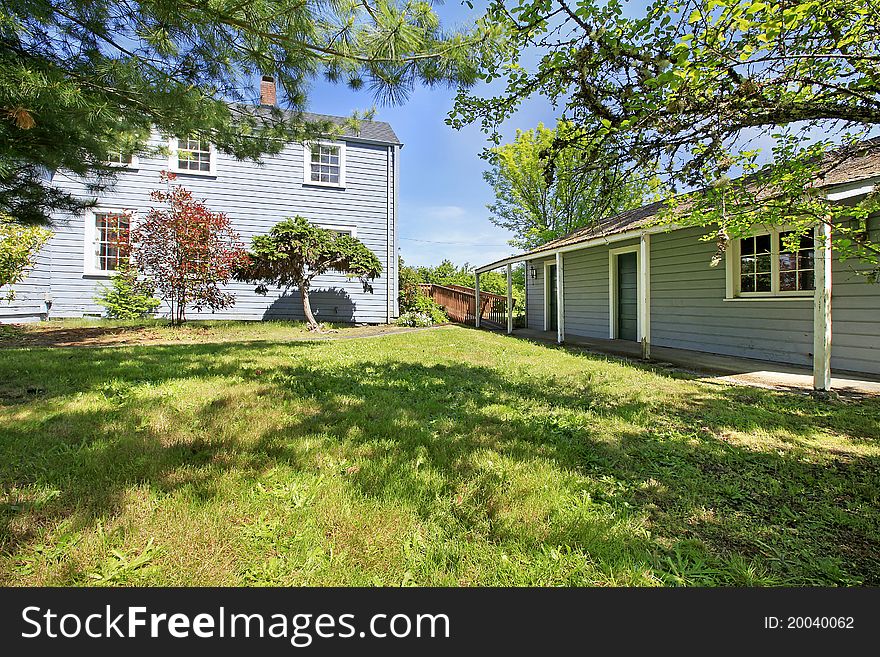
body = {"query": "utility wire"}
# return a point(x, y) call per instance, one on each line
point(413, 239)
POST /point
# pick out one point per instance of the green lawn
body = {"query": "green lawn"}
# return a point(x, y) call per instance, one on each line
point(443, 457)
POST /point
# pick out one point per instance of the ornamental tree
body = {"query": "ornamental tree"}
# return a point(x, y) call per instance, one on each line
point(187, 251)
point(19, 245)
point(295, 252)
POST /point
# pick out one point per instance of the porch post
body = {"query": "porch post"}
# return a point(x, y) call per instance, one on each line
point(822, 310)
point(560, 298)
point(509, 300)
point(644, 287)
point(477, 300)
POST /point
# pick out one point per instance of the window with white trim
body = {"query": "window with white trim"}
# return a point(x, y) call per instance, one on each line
point(776, 263)
point(120, 159)
point(325, 164)
point(107, 235)
point(193, 154)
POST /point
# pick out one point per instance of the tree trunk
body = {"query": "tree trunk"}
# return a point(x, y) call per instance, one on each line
point(307, 307)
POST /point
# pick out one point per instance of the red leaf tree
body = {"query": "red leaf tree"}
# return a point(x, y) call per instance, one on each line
point(188, 251)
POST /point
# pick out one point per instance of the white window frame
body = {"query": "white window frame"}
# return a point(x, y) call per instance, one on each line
point(732, 270)
point(174, 165)
point(90, 238)
point(307, 160)
point(612, 289)
point(351, 228)
point(134, 164)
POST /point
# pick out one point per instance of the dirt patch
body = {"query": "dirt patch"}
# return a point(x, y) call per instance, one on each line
point(46, 335)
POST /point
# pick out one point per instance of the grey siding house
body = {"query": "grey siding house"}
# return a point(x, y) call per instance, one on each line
point(348, 184)
point(630, 279)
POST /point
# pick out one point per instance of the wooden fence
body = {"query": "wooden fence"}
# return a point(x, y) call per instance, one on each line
point(459, 303)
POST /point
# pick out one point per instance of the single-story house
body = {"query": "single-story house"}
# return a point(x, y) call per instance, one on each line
point(348, 183)
point(631, 278)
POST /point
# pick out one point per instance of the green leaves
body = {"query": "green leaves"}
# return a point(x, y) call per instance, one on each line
point(684, 88)
point(92, 75)
point(295, 252)
point(19, 246)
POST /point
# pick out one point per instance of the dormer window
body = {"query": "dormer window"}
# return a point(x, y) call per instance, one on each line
point(324, 164)
point(192, 155)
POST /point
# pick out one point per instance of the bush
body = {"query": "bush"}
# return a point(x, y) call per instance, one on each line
point(19, 245)
point(127, 297)
point(413, 318)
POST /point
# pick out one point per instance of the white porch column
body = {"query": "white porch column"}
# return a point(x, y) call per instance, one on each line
point(644, 287)
point(560, 298)
point(822, 310)
point(509, 300)
point(477, 300)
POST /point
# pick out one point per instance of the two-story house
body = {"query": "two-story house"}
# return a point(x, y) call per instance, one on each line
point(348, 184)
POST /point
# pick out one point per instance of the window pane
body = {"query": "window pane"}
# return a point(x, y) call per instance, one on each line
point(805, 259)
point(747, 283)
point(747, 245)
point(112, 233)
point(762, 283)
point(806, 281)
point(763, 264)
point(762, 244)
point(747, 265)
point(788, 281)
point(787, 261)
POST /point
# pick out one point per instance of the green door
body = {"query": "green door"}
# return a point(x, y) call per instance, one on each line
point(551, 291)
point(627, 297)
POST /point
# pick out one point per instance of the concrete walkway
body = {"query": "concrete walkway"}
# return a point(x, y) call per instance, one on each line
point(747, 371)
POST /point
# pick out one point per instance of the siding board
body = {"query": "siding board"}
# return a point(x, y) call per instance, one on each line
point(255, 197)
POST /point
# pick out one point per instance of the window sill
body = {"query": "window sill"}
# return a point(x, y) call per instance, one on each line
point(99, 274)
point(188, 172)
point(323, 185)
point(793, 297)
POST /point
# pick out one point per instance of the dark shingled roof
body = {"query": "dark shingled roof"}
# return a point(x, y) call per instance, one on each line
point(379, 131)
point(372, 130)
point(846, 165)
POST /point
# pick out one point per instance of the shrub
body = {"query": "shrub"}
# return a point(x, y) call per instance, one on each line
point(413, 318)
point(19, 245)
point(189, 251)
point(127, 297)
point(426, 305)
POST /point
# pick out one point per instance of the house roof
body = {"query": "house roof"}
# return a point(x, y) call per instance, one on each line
point(378, 131)
point(845, 165)
point(372, 130)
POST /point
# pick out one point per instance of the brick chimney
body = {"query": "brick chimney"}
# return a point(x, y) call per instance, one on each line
point(267, 90)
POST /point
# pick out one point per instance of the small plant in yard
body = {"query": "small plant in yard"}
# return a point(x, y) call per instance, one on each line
point(19, 245)
point(413, 318)
point(188, 251)
point(128, 296)
point(295, 252)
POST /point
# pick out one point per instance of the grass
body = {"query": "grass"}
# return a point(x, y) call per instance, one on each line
point(100, 333)
point(442, 457)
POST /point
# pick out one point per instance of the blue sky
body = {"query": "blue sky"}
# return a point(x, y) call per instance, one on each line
point(443, 196)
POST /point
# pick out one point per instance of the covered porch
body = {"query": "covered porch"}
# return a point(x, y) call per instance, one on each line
point(748, 371)
point(637, 246)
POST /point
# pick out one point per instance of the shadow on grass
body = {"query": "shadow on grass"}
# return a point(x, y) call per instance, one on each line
point(423, 434)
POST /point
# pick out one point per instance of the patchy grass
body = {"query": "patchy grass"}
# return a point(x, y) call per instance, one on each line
point(102, 333)
point(444, 457)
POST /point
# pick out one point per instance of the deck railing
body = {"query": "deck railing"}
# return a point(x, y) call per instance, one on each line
point(459, 304)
